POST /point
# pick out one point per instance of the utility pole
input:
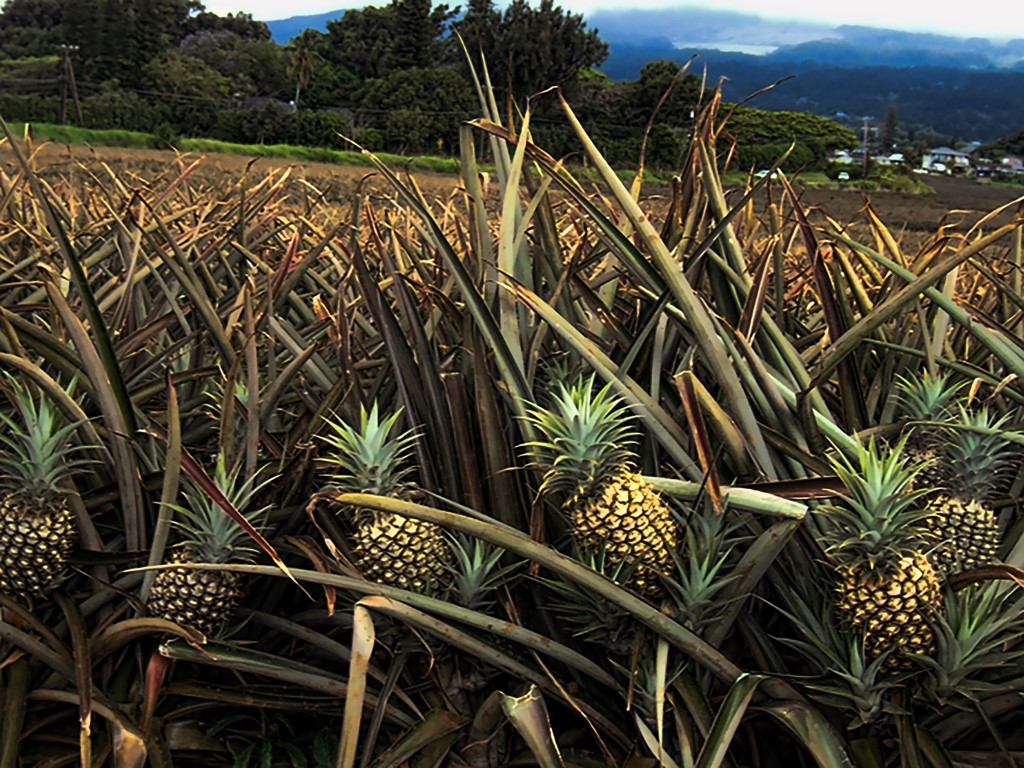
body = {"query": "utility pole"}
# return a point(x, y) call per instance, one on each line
point(865, 143)
point(68, 84)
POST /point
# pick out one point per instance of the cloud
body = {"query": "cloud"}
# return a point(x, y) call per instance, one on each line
point(983, 21)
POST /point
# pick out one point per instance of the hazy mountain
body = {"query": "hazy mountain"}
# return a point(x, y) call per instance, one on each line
point(674, 32)
point(950, 85)
point(283, 30)
point(796, 44)
point(703, 27)
point(953, 85)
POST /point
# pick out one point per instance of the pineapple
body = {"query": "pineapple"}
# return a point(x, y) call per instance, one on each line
point(886, 588)
point(389, 548)
point(974, 461)
point(37, 527)
point(205, 599)
point(610, 509)
point(927, 402)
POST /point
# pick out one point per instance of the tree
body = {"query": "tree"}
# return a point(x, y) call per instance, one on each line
point(529, 49)
point(242, 24)
point(419, 106)
point(37, 14)
point(762, 137)
point(479, 28)
point(30, 28)
point(889, 133)
point(328, 85)
point(362, 41)
point(374, 42)
point(656, 78)
point(117, 38)
point(302, 58)
point(191, 91)
point(418, 32)
point(253, 67)
point(161, 24)
point(84, 22)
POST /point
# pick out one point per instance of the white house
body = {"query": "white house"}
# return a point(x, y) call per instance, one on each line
point(1012, 163)
point(946, 160)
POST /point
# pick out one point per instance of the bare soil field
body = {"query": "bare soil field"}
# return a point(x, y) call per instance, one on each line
point(956, 203)
point(965, 200)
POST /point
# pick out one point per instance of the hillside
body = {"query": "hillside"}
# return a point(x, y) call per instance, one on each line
point(940, 84)
point(283, 30)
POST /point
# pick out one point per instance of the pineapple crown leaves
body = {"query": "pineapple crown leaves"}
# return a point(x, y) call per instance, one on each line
point(701, 574)
point(369, 458)
point(977, 636)
point(647, 683)
point(977, 450)
point(37, 447)
point(587, 435)
point(880, 516)
point(581, 611)
point(851, 679)
point(217, 393)
point(927, 397)
point(207, 529)
point(477, 572)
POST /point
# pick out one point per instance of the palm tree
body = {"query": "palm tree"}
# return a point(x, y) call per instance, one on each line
point(302, 58)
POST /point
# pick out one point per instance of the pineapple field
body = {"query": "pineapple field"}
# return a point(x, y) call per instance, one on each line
point(531, 467)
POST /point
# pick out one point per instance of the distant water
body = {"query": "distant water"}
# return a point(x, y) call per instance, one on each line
point(727, 47)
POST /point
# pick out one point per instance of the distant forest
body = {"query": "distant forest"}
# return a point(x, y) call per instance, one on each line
point(391, 78)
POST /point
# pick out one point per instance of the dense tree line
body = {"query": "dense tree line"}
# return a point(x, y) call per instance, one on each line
point(393, 77)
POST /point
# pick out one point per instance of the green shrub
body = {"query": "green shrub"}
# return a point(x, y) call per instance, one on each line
point(277, 123)
point(25, 107)
point(164, 137)
point(765, 155)
point(119, 109)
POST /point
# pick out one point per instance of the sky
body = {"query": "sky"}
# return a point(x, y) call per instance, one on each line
point(996, 19)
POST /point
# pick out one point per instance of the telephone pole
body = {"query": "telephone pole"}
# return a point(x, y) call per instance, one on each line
point(865, 146)
point(68, 84)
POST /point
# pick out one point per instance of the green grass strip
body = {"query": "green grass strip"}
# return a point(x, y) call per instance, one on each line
point(70, 134)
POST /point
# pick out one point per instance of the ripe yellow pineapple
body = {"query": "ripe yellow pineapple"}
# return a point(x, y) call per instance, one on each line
point(389, 548)
point(610, 508)
point(37, 527)
point(886, 588)
point(973, 462)
point(206, 599)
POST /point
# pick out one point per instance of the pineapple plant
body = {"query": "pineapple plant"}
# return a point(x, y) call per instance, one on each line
point(206, 599)
point(927, 401)
point(974, 461)
point(613, 514)
point(886, 589)
point(37, 526)
point(389, 548)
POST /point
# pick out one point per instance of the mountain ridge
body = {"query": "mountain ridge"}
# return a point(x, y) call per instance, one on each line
point(949, 85)
point(707, 27)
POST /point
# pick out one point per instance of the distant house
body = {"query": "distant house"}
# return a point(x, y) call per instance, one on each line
point(946, 160)
point(1012, 163)
point(842, 156)
point(896, 158)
